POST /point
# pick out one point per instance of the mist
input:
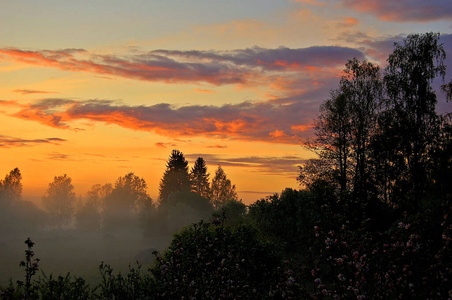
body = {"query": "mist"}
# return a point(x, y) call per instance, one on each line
point(116, 223)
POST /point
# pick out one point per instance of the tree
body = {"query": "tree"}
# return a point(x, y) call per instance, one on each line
point(222, 189)
point(333, 136)
point(200, 178)
point(345, 128)
point(361, 83)
point(125, 201)
point(185, 208)
point(90, 215)
point(59, 200)
point(411, 105)
point(176, 177)
point(11, 186)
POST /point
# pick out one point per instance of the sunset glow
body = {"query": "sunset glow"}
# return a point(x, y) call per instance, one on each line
point(95, 90)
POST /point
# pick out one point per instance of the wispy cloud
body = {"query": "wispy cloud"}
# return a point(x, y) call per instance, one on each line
point(165, 145)
point(404, 10)
point(311, 2)
point(271, 165)
point(28, 92)
point(218, 146)
point(11, 142)
point(60, 156)
point(204, 91)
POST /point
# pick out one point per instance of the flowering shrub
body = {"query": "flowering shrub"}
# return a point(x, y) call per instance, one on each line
point(396, 264)
point(209, 261)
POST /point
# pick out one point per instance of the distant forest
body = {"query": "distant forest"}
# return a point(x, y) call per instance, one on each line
point(372, 218)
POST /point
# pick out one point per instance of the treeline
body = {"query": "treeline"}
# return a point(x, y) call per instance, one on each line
point(186, 196)
point(373, 220)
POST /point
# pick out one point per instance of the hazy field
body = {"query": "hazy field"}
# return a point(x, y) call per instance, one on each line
point(79, 253)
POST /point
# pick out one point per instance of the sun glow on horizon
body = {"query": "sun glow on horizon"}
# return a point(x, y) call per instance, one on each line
point(96, 93)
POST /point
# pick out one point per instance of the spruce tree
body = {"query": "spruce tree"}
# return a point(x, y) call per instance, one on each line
point(176, 177)
point(200, 178)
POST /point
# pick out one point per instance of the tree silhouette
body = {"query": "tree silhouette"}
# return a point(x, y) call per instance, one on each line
point(411, 108)
point(125, 201)
point(11, 186)
point(222, 189)
point(333, 136)
point(345, 128)
point(200, 178)
point(362, 85)
point(90, 215)
point(176, 177)
point(59, 200)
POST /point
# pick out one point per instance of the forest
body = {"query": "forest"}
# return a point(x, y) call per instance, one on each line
point(371, 220)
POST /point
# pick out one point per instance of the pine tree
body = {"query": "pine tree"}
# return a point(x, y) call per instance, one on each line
point(176, 177)
point(200, 178)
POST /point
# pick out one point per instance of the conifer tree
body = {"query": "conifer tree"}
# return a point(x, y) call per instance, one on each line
point(176, 177)
point(200, 178)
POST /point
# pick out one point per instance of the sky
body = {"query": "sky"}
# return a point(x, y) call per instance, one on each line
point(97, 89)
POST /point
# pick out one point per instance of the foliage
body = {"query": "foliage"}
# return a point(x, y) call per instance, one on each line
point(59, 200)
point(31, 267)
point(176, 177)
point(410, 110)
point(63, 288)
point(232, 213)
point(135, 285)
point(210, 261)
point(221, 188)
point(185, 208)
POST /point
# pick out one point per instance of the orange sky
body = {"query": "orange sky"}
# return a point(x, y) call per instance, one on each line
point(96, 90)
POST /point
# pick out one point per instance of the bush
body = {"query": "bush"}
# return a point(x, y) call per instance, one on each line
point(210, 261)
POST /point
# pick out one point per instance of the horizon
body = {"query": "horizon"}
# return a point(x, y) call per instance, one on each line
point(97, 91)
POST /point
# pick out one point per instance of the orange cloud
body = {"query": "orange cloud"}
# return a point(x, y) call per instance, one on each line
point(204, 91)
point(251, 121)
point(301, 127)
point(349, 21)
point(28, 92)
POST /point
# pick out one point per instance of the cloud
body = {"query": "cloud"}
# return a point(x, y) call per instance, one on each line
point(281, 58)
point(218, 146)
point(9, 103)
point(311, 2)
point(294, 81)
point(28, 92)
point(249, 66)
point(10, 142)
point(165, 145)
point(59, 156)
point(270, 165)
point(404, 10)
point(204, 91)
point(261, 121)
